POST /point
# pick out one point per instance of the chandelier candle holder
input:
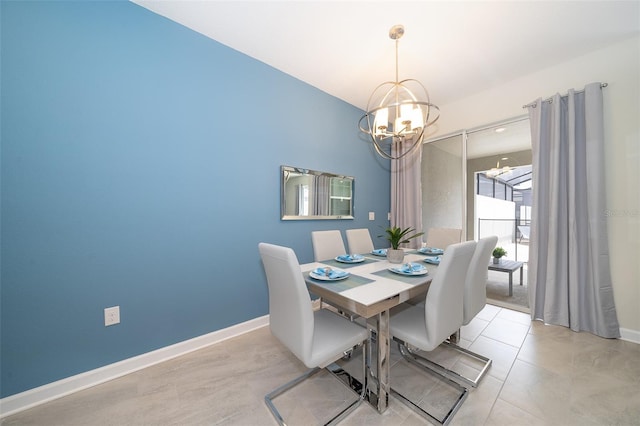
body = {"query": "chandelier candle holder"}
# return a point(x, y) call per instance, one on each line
point(398, 112)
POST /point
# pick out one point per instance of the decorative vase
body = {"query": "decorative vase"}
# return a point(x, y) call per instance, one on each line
point(496, 260)
point(395, 255)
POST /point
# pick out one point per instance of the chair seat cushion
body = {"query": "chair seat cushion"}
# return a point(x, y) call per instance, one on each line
point(332, 335)
point(407, 323)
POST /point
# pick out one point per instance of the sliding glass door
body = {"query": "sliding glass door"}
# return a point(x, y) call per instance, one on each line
point(498, 195)
point(480, 181)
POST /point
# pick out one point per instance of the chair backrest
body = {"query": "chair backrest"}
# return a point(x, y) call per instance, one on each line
point(327, 245)
point(359, 241)
point(475, 291)
point(290, 312)
point(445, 297)
point(443, 237)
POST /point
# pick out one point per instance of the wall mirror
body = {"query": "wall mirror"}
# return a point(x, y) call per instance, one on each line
point(309, 194)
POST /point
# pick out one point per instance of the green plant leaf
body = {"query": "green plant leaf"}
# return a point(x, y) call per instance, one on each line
point(397, 236)
point(498, 252)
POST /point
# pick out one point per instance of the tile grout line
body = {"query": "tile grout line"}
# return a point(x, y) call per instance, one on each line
point(510, 368)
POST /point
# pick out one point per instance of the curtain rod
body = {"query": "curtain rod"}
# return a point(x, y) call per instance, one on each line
point(533, 104)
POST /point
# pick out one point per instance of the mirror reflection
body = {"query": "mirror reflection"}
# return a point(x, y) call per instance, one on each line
point(311, 194)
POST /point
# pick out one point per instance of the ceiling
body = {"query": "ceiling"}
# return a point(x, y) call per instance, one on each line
point(455, 48)
point(510, 137)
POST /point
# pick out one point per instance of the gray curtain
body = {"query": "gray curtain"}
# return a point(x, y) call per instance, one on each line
point(321, 192)
point(569, 276)
point(406, 192)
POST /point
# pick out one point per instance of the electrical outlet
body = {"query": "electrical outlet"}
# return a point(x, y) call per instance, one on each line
point(372, 216)
point(111, 316)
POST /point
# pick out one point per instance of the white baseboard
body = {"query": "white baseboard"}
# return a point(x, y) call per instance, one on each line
point(28, 399)
point(630, 335)
point(24, 400)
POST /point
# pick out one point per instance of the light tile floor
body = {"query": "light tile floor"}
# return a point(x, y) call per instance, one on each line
point(541, 375)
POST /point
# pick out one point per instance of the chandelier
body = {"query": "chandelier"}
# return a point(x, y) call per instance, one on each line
point(497, 171)
point(398, 112)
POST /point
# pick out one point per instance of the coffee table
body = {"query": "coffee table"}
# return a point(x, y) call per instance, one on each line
point(508, 266)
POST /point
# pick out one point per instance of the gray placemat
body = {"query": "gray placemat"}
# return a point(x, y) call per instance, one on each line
point(375, 256)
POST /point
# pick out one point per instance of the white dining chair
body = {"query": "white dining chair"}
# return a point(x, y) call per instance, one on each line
point(317, 338)
point(327, 245)
point(475, 299)
point(427, 326)
point(443, 237)
point(475, 294)
point(359, 241)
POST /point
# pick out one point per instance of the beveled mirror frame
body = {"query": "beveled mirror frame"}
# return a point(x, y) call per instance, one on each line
point(298, 190)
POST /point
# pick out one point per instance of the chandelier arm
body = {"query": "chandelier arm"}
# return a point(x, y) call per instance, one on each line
point(407, 152)
point(424, 103)
point(427, 122)
point(384, 154)
point(363, 130)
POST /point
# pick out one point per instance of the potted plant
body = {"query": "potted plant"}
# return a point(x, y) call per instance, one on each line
point(498, 252)
point(397, 236)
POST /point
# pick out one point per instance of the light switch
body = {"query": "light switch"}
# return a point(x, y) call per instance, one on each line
point(372, 215)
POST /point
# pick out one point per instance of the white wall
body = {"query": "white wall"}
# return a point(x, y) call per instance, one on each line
point(619, 66)
point(441, 186)
point(488, 208)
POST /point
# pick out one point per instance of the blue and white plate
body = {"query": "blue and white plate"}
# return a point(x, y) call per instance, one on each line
point(430, 251)
point(350, 258)
point(379, 252)
point(432, 260)
point(328, 274)
point(410, 269)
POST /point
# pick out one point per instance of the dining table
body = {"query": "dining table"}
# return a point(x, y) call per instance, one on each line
point(369, 291)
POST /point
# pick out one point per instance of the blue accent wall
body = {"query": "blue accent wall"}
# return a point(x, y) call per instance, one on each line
point(140, 168)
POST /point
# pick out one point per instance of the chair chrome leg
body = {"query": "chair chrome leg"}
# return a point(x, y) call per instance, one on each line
point(487, 363)
point(353, 384)
point(337, 372)
point(268, 399)
point(450, 373)
point(455, 337)
point(447, 418)
point(411, 358)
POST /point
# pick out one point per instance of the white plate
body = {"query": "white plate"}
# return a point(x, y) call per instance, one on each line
point(412, 273)
point(358, 260)
point(377, 253)
point(326, 278)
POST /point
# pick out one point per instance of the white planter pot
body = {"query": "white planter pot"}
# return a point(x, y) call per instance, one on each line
point(395, 256)
point(496, 260)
